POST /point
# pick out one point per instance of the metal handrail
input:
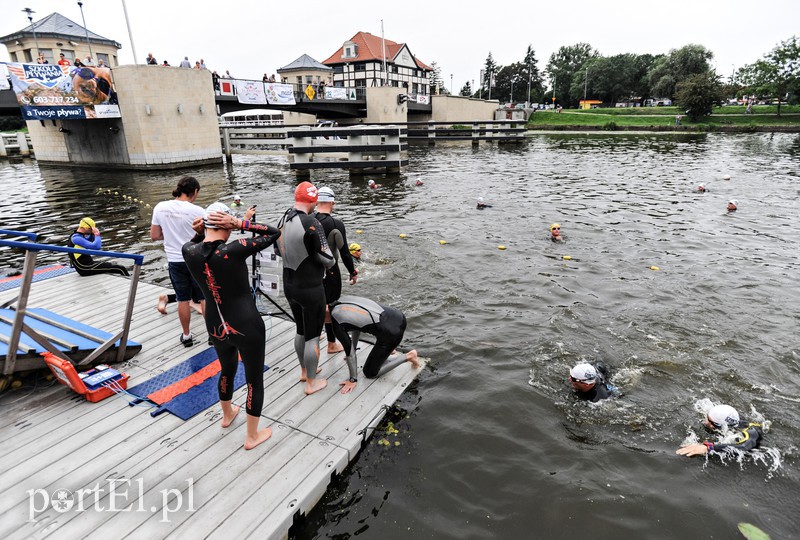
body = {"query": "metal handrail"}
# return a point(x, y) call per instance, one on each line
point(31, 251)
point(28, 235)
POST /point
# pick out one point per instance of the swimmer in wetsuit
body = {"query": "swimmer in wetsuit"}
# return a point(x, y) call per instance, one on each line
point(356, 314)
point(555, 233)
point(306, 256)
point(337, 241)
point(87, 236)
point(232, 320)
point(719, 419)
point(590, 382)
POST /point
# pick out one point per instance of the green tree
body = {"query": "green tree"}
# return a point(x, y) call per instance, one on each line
point(435, 77)
point(562, 67)
point(669, 71)
point(466, 90)
point(697, 94)
point(490, 69)
point(777, 75)
point(533, 77)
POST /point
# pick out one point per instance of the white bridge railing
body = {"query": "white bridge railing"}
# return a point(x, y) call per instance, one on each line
point(17, 143)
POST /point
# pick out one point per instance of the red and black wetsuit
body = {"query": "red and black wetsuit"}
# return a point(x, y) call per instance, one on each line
point(232, 319)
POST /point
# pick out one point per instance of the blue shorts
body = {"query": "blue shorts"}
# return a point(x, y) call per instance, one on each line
point(185, 287)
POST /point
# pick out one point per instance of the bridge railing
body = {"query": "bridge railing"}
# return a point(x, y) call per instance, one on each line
point(16, 143)
point(501, 131)
point(31, 250)
point(227, 87)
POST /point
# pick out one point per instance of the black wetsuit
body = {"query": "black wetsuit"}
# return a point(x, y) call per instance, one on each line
point(600, 390)
point(387, 324)
point(84, 264)
point(232, 319)
point(333, 277)
point(749, 438)
point(306, 255)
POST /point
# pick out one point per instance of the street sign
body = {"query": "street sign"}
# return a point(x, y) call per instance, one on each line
point(310, 92)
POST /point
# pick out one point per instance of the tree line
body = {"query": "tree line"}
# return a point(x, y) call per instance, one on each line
point(683, 75)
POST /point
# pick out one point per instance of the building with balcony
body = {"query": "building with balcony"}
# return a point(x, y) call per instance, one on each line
point(56, 34)
point(359, 63)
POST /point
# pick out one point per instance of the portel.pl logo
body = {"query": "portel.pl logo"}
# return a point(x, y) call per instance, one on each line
point(116, 495)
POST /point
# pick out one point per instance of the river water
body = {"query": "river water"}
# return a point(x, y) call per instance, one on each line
point(491, 442)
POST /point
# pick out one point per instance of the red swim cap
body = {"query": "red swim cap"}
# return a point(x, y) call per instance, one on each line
point(306, 192)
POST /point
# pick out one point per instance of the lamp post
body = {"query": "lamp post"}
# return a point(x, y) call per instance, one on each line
point(733, 72)
point(511, 99)
point(481, 78)
point(451, 84)
point(30, 13)
point(86, 30)
point(585, 80)
point(528, 97)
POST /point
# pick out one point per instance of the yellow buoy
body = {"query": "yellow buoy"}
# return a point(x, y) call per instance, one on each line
point(359, 231)
point(16, 384)
point(501, 247)
point(443, 242)
point(116, 193)
point(655, 268)
point(147, 205)
point(567, 258)
point(403, 235)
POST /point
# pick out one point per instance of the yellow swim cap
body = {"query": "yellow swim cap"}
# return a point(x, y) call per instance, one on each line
point(87, 223)
point(354, 247)
point(555, 226)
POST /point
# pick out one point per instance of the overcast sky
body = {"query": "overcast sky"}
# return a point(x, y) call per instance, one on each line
point(251, 37)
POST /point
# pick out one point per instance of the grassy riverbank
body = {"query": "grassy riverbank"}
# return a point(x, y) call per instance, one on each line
point(663, 118)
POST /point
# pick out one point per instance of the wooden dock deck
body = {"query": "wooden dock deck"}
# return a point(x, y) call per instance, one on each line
point(164, 477)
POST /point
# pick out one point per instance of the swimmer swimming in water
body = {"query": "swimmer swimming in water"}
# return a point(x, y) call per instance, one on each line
point(481, 204)
point(721, 418)
point(590, 381)
point(702, 188)
point(732, 205)
point(555, 233)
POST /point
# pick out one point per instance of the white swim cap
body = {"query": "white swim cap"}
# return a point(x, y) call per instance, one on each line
point(325, 194)
point(370, 182)
point(583, 373)
point(480, 199)
point(237, 198)
point(720, 415)
point(214, 207)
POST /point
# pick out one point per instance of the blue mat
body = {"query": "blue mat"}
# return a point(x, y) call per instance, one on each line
point(195, 399)
point(39, 274)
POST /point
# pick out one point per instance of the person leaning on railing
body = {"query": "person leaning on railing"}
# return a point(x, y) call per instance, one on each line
point(87, 236)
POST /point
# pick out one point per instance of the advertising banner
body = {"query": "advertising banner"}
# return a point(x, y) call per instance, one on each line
point(251, 92)
point(425, 100)
point(280, 94)
point(53, 92)
point(335, 92)
point(4, 84)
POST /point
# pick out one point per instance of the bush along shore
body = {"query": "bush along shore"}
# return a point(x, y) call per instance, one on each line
point(724, 119)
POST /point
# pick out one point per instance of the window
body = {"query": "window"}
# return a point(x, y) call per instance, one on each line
point(338, 69)
point(48, 55)
point(361, 83)
point(299, 80)
point(28, 57)
point(359, 67)
point(309, 79)
point(114, 59)
point(13, 57)
point(103, 57)
point(394, 69)
point(69, 55)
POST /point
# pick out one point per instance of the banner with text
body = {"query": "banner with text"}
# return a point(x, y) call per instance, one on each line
point(251, 92)
point(53, 92)
point(335, 92)
point(280, 94)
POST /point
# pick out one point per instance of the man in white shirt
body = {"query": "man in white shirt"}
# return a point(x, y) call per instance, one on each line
point(172, 223)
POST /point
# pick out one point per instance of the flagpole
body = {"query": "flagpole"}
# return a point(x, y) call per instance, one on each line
point(383, 46)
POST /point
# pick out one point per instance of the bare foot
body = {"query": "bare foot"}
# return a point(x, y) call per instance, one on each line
point(412, 356)
point(304, 377)
point(196, 307)
point(162, 304)
point(315, 385)
point(261, 436)
point(228, 420)
point(334, 348)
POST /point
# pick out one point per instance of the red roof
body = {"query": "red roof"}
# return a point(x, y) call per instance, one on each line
point(368, 47)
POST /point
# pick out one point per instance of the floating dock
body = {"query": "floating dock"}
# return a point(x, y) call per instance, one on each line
point(74, 469)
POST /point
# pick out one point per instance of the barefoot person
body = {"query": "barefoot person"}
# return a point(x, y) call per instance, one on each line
point(355, 314)
point(306, 256)
point(233, 322)
point(165, 299)
point(336, 234)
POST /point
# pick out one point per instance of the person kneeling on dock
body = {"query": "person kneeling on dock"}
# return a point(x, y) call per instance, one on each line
point(87, 236)
point(234, 324)
point(356, 314)
point(721, 419)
